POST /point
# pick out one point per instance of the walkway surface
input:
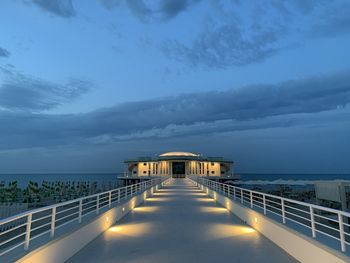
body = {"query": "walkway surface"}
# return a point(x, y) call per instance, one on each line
point(181, 224)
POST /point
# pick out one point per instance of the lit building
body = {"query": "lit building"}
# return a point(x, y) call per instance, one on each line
point(179, 164)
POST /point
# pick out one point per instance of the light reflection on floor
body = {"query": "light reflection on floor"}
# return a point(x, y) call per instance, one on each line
point(159, 199)
point(213, 209)
point(219, 231)
point(146, 209)
point(204, 199)
point(129, 230)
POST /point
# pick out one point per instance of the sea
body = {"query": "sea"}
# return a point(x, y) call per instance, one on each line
point(244, 178)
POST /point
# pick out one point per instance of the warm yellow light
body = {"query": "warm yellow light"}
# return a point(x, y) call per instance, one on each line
point(256, 220)
point(107, 219)
point(115, 229)
point(204, 199)
point(246, 230)
point(129, 230)
point(146, 209)
point(162, 194)
point(209, 209)
point(219, 231)
point(197, 194)
point(158, 199)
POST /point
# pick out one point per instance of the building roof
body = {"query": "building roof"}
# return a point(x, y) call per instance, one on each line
point(177, 154)
point(169, 156)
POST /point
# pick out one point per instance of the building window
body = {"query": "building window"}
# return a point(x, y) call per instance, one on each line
point(134, 172)
point(144, 164)
point(212, 172)
point(144, 172)
point(212, 164)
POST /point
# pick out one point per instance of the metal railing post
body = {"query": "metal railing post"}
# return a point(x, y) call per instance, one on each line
point(241, 195)
point(251, 199)
point(228, 190)
point(97, 204)
point(131, 193)
point(28, 229)
point(110, 199)
point(234, 193)
point(53, 221)
point(283, 212)
point(312, 217)
point(341, 232)
point(264, 204)
point(119, 195)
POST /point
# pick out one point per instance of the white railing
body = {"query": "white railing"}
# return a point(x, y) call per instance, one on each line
point(323, 223)
point(22, 229)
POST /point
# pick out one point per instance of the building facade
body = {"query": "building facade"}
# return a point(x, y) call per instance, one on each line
point(178, 164)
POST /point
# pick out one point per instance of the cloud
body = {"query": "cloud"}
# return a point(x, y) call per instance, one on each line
point(63, 8)
point(151, 11)
point(232, 35)
point(139, 9)
point(239, 33)
point(246, 108)
point(4, 53)
point(333, 21)
point(222, 47)
point(171, 8)
point(25, 93)
point(110, 4)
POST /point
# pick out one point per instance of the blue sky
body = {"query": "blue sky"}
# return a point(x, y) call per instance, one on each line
point(86, 84)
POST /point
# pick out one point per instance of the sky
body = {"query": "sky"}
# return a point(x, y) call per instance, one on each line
point(87, 84)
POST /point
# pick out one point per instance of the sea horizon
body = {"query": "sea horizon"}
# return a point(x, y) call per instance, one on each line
point(251, 178)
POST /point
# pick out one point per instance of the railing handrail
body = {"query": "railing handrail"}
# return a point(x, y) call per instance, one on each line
point(41, 209)
point(56, 217)
point(328, 209)
point(287, 211)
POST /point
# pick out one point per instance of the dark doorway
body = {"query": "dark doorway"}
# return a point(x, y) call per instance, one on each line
point(179, 170)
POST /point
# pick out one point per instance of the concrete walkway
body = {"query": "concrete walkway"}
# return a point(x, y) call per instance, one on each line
point(180, 224)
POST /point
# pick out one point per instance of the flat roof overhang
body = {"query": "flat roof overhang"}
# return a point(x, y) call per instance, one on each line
point(179, 158)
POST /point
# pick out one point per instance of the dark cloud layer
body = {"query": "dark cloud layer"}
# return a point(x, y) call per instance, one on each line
point(145, 12)
point(21, 92)
point(252, 107)
point(240, 33)
point(171, 8)
point(4, 53)
point(63, 8)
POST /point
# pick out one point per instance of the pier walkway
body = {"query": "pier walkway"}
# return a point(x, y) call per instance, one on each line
point(179, 223)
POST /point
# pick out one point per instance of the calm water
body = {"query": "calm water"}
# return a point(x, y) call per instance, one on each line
point(311, 177)
point(23, 179)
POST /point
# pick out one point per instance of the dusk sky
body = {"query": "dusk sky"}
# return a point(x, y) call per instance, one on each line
point(87, 84)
